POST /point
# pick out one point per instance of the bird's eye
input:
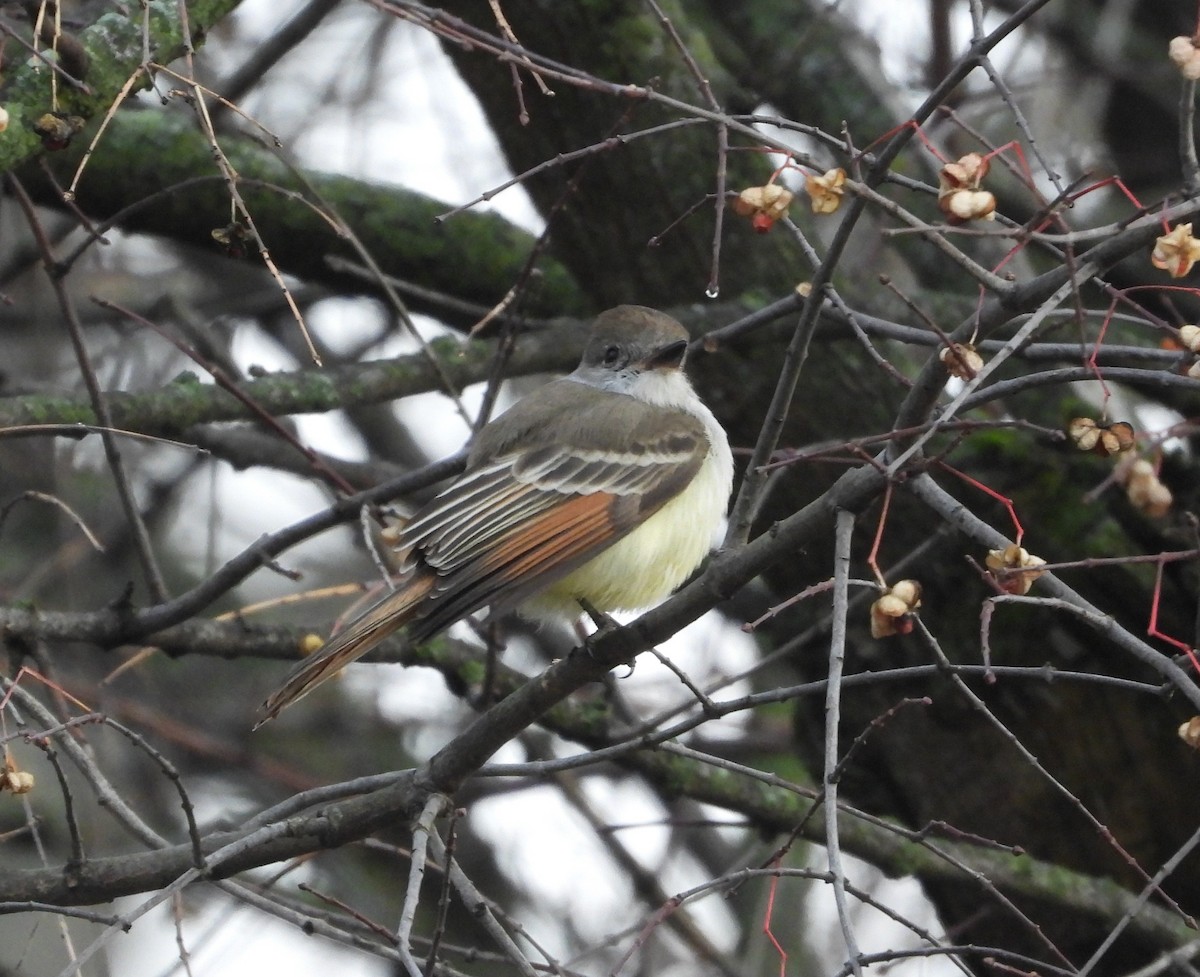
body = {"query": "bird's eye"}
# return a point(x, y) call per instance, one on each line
point(612, 355)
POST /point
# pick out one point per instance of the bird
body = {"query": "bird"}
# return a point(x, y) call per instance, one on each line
point(605, 487)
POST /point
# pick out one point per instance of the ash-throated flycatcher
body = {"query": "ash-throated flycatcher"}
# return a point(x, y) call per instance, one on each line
point(605, 486)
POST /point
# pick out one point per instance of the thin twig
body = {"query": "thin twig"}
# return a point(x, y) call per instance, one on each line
point(843, 534)
point(423, 833)
point(481, 910)
point(141, 537)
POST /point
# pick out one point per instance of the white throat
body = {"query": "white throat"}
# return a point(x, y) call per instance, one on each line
point(663, 388)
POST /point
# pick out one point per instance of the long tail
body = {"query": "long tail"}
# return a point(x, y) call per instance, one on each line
point(360, 636)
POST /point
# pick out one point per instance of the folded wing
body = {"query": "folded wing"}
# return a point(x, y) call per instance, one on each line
point(518, 520)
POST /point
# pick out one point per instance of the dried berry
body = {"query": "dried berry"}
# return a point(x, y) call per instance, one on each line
point(825, 191)
point(892, 612)
point(1102, 439)
point(961, 360)
point(1189, 732)
point(1145, 491)
point(959, 195)
point(1182, 51)
point(234, 239)
point(57, 129)
point(1176, 251)
point(763, 205)
point(1014, 568)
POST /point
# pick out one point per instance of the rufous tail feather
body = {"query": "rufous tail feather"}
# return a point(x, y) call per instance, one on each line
point(359, 637)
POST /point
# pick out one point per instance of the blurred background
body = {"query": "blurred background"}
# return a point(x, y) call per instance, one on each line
point(351, 126)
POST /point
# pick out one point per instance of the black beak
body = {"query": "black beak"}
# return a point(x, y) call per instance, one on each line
point(669, 356)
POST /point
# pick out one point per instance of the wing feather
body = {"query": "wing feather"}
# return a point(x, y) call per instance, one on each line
point(528, 559)
point(474, 492)
point(510, 492)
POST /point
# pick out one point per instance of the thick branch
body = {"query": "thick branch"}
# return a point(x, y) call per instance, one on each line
point(114, 46)
point(173, 409)
point(103, 879)
point(476, 256)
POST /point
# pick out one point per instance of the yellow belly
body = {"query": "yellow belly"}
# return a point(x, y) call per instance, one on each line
point(648, 564)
